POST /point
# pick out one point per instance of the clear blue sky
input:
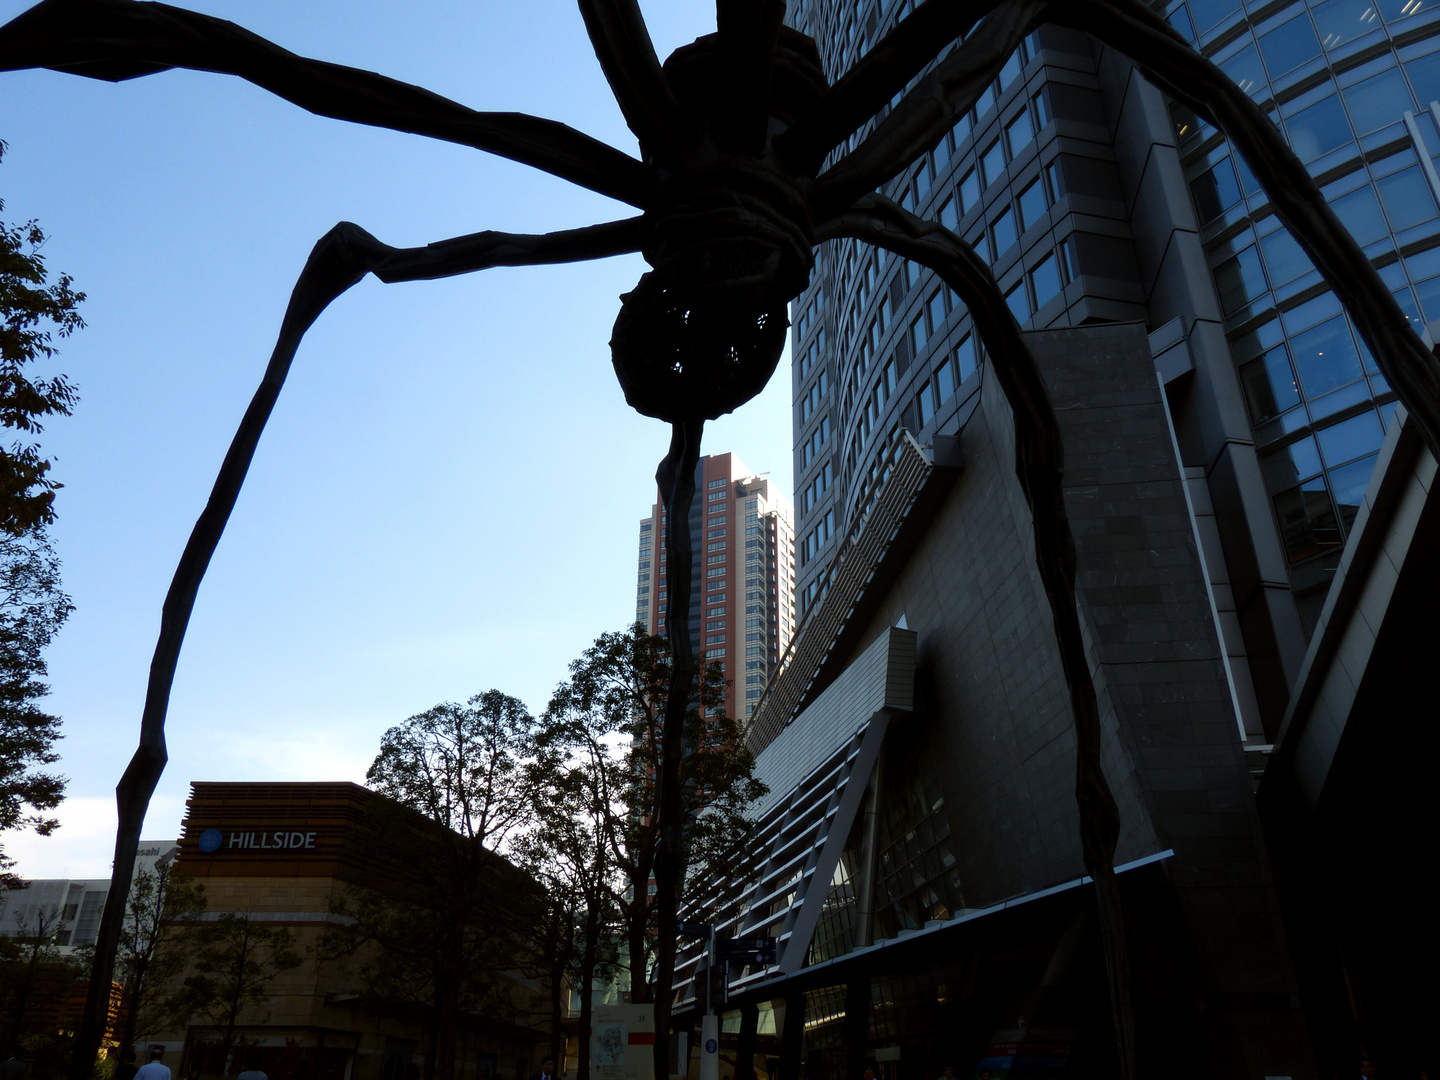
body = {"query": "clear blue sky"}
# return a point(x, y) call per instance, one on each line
point(447, 495)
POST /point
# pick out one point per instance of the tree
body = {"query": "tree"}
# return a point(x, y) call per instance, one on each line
point(619, 685)
point(32, 609)
point(235, 961)
point(461, 770)
point(580, 780)
point(33, 310)
point(157, 942)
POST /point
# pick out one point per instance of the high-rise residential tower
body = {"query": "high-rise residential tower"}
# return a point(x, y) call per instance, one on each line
point(742, 590)
point(1094, 199)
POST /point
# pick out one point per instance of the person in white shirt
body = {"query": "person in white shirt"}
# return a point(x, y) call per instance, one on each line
point(252, 1068)
point(155, 1068)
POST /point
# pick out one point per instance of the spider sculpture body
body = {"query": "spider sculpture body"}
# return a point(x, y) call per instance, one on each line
point(734, 191)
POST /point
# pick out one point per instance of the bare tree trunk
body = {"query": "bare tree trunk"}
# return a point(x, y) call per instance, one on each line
point(587, 980)
point(637, 922)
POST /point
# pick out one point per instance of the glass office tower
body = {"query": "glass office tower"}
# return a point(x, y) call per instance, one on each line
point(1094, 199)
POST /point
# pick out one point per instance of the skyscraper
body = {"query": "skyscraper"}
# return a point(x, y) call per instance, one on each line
point(742, 590)
point(1254, 527)
point(1094, 200)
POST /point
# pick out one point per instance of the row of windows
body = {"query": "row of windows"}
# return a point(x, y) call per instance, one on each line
point(811, 354)
point(817, 438)
point(817, 487)
point(815, 539)
point(811, 400)
point(1337, 21)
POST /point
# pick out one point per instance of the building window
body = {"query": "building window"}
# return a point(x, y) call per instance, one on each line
point(712, 559)
point(716, 496)
point(720, 483)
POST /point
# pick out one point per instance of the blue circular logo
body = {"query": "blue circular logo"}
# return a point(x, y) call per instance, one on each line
point(711, 1046)
point(210, 841)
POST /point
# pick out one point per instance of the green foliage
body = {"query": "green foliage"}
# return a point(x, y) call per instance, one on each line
point(458, 778)
point(616, 696)
point(461, 766)
point(234, 962)
point(33, 312)
point(158, 940)
point(32, 609)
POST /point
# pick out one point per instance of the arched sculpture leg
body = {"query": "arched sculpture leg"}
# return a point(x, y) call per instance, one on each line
point(676, 477)
point(1168, 61)
point(344, 256)
point(124, 39)
point(1039, 465)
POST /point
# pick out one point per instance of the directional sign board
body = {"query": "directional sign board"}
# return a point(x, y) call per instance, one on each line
point(693, 929)
point(751, 950)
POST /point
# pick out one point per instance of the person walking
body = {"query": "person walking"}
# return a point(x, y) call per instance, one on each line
point(155, 1068)
point(547, 1070)
point(126, 1068)
point(12, 1068)
point(252, 1069)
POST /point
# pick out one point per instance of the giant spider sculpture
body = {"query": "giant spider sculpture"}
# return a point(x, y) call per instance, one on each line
point(733, 131)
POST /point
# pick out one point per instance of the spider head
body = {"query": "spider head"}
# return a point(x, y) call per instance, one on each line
point(731, 243)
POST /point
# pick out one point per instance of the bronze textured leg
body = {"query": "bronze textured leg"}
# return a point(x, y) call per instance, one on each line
point(1040, 467)
point(1168, 61)
point(676, 477)
point(124, 39)
point(345, 255)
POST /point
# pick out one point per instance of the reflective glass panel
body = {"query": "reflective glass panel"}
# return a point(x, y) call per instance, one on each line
point(1289, 45)
point(1207, 13)
point(1032, 205)
point(1244, 67)
point(1344, 20)
point(1005, 232)
point(1360, 213)
point(969, 192)
point(1319, 129)
point(1287, 466)
point(1350, 438)
point(945, 380)
point(1269, 384)
point(1283, 257)
point(1307, 520)
point(1011, 70)
point(1428, 293)
point(1395, 10)
point(1407, 198)
point(1406, 299)
point(948, 217)
point(1215, 191)
point(1018, 302)
point(1379, 100)
point(986, 101)
point(1018, 133)
point(1349, 483)
point(965, 358)
point(993, 162)
point(1240, 280)
point(1325, 357)
point(1046, 279)
point(1424, 72)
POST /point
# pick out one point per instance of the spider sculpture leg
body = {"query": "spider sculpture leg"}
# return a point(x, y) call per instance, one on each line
point(342, 257)
point(124, 39)
point(1168, 61)
point(676, 478)
point(1040, 467)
